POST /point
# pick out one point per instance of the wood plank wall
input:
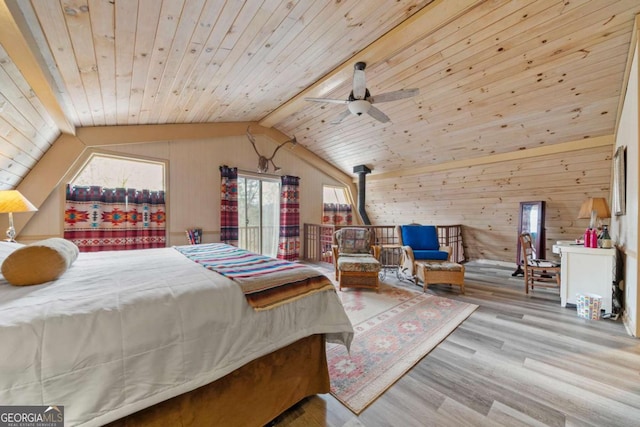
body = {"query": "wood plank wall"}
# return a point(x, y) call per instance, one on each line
point(485, 199)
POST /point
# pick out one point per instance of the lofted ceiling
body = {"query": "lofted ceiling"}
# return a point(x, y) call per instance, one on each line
point(494, 76)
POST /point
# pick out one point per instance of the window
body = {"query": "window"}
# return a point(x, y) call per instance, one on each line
point(337, 195)
point(114, 172)
point(336, 209)
point(116, 203)
point(258, 214)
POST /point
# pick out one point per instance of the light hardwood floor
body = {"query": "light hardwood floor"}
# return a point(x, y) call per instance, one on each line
point(517, 360)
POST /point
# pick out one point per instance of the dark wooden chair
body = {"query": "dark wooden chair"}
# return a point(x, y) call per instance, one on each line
point(537, 272)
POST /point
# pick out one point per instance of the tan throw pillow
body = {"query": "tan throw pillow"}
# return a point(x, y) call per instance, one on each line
point(39, 262)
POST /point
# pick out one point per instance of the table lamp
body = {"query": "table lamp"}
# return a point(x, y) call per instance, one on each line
point(594, 208)
point(13, 201)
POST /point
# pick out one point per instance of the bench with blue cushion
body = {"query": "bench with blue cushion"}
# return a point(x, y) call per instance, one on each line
point(420, 243)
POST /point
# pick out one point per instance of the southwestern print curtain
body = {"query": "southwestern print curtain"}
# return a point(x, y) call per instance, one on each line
point(109, 219)
point(337, 214)
point(289, 242)
point(229, 205)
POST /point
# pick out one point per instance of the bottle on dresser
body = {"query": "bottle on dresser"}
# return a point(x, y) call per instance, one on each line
point(587, 238)
point(605, 238)
point(594, 239)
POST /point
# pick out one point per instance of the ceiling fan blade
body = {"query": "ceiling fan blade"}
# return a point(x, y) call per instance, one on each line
point(340, 117)
point(359, 81)
point(394, 96)
point(378, 115)
point(329, 100)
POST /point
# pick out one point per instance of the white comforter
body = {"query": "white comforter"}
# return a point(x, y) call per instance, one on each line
point(121, 331)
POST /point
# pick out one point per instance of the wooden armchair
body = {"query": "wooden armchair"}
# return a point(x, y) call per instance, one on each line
point(356, 258)
point(419, 243)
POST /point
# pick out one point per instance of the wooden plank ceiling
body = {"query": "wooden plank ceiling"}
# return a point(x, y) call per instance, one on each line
point(494, 76)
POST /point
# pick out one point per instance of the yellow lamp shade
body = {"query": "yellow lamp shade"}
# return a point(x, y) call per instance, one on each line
point(14, 201)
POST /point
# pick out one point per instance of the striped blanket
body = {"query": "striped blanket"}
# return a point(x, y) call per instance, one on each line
point(266, 282)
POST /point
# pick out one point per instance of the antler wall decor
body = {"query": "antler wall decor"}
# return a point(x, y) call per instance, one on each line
point(263, 162)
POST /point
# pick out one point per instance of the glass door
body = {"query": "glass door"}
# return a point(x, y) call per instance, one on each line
point(258, 214)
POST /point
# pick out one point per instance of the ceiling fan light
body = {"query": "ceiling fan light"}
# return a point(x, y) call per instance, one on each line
point(359, 107)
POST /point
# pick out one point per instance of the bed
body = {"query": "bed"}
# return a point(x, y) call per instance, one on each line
point(148, 336)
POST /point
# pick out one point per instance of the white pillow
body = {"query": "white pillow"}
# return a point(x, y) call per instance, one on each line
point(6, 248)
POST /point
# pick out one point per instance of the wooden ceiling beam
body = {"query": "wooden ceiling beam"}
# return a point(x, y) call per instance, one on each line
point(101, 136)
point(47, 174)
point(15, 38)
point(432, 17)
point(310, 158)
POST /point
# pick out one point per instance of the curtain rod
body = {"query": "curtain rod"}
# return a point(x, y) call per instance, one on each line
point(258, 174)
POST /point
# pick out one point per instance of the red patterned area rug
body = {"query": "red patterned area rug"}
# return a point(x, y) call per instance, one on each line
point(393, 331)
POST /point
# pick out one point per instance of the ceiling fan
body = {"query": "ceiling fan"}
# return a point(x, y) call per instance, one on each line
point(360, 100)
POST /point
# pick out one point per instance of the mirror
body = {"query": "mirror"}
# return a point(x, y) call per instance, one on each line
point(619, 181)
point(530, 220)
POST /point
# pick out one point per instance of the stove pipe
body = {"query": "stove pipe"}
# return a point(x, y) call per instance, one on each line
point(362, 171)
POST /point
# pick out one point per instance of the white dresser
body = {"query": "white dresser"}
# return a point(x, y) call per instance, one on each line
point(585, 271)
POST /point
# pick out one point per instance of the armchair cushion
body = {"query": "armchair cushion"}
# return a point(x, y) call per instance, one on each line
point(353, 241)
point(420, 237)
point(363, 263)
point(421, 254)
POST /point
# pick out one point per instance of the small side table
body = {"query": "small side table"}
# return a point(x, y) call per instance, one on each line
point(390, 260)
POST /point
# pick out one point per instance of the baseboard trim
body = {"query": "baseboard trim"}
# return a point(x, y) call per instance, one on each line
point(628, 323)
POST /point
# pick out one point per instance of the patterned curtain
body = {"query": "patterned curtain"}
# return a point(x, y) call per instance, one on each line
point(329, 213)
point(229, 205)
point(337, 214)
point(145, 209)
point(110, 219)
point(344, 215)
point(289, 243)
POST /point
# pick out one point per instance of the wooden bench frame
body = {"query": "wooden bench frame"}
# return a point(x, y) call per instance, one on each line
point(359, 279)
point(431, 277)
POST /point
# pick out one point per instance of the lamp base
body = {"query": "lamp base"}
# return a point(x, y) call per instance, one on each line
point(11, 232)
